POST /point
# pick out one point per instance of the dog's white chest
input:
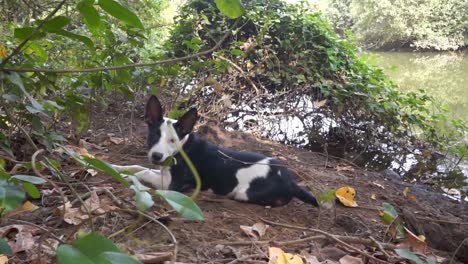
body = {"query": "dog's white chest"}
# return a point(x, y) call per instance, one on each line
point(246, 175)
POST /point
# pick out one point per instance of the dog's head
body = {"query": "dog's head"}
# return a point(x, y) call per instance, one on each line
point(161, 137)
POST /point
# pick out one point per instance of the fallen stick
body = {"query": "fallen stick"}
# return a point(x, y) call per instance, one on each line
point(333, 237)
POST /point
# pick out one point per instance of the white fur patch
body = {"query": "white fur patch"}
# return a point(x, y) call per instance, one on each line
point(158, 179)
point(167, 142)
point(246, 175)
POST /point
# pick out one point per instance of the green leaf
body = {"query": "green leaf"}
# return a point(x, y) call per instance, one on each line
point(14, 78)
point(404, 253)
point(182, 204)
point(90, 14)
point(85, 40)
point(67, 254)
point(143, 198)
point(326, 198)
point(32, 190)
point(23, 33)
point(28, 178)
point(11, 195)
point(38, 50)
point(91, 248)
point(231, 8)
point(120, 12)
point(120, 258)
point(5, 248)
point(104, 167)
point(55, 24)
point(390, 210)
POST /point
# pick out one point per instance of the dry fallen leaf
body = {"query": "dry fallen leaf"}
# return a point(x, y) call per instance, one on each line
point(378, 185)
point(256, 231)
point(346, 196)
point(278, 256)
point(20, 237)
point(350, 260)
point(414, 243)
point(3, 259)
point(92, 203)
point(405, 191)
point(344, 168)
point(26, 207)
point(412, 198)
point(321, 103)
point(373, 196)
point(310, 259)
point(116, 140)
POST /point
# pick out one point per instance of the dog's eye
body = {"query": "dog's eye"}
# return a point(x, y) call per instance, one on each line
point(172, 140)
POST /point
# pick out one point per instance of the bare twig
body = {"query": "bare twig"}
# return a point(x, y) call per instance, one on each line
point(38, 173)
point(246, 258)
point(32, 34)
point(381, 248)
point(333, 237)
point(47, 231)
point(458, 248)
point(241, 71)
point(171, 235)
point(127, 66)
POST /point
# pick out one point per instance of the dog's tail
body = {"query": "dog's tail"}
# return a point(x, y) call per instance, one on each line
point(304, 195)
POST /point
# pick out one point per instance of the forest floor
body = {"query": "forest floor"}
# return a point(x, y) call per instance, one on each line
point(118, 137)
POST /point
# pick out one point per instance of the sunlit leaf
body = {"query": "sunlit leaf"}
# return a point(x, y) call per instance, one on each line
point(90, 14)
point(120, 12)
point(29, 178)
point(31, 190)
point(231, 8)
point(182, 204)
point(104, 167)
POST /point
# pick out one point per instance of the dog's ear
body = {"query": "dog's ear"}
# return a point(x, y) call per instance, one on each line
point(185, 124)
point(154, 110)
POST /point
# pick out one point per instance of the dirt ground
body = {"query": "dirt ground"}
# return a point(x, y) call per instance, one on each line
point(219, 238)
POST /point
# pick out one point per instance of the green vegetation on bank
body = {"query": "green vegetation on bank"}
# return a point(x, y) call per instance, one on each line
point(395, 24)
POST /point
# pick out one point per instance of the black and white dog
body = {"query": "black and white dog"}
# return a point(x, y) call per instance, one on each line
point(242, 176)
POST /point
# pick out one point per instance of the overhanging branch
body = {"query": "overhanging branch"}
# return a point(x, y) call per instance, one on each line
point(127, 66)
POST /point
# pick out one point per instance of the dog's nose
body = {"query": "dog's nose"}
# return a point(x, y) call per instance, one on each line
point(156, 156)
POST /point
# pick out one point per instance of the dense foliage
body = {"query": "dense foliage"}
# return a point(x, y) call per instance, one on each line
point(286, 75)
point(425, 24)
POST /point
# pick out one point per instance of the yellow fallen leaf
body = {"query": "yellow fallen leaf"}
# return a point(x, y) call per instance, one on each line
point(346, 196)
point(278, 256)
point(3, 52)
point(412, 198)
point(29, 207)
point(373, 196)
point(250, 65)
point(3, 259)
point(405, 191)
point(422, 238)
point(322, 103)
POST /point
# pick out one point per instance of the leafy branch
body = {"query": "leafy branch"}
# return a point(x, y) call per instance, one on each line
point(128, 66)
point(32, 34)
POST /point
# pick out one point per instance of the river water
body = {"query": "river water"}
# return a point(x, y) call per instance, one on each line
point(444, 75)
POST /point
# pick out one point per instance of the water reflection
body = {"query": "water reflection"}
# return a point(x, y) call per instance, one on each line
point(442, 75)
